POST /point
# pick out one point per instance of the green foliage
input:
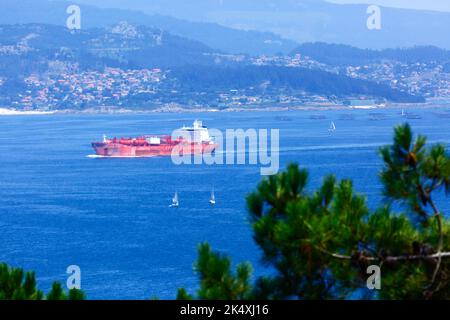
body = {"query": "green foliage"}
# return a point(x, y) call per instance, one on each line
point(56, 293)
point(217, 281)
point(15, 284)
point(76, 295)
point(413, 173)
point(320, 243)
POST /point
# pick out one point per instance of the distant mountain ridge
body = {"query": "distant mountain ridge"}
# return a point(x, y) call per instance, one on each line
point(213, 35)
point(338, 54)
point(307, 20)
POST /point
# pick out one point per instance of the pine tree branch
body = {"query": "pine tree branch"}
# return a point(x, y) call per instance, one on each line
point(439, 255)
point(438, 216)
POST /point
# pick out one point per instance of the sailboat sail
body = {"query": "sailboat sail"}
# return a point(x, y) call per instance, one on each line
point(175, 201)
point(213, 198)
point(332, 127)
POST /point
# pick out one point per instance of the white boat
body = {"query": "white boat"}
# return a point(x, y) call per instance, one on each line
point(213, 198)
point(403, 113)
point(175, 202)
point(332, 127)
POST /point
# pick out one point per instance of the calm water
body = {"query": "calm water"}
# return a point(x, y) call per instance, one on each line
point(111, 217)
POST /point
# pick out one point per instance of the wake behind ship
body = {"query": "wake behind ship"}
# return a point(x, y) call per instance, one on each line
point(192, 140)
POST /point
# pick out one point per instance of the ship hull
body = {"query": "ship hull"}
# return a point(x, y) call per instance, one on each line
point(120, 150)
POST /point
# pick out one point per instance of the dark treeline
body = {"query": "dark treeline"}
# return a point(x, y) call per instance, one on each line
point(315, 81)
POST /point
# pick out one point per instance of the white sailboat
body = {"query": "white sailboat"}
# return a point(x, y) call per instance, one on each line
point(403, 113)
point(213, 198)
point(332, 127)
point(175, 201)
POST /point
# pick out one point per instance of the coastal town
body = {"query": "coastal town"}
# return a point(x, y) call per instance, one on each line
point(429, 79)
point(71, 89)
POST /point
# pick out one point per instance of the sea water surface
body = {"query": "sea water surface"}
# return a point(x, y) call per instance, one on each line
point(58, 207)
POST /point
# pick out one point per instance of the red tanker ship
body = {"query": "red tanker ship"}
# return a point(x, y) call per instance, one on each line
point(192, 140)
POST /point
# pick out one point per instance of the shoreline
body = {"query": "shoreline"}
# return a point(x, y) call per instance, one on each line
point(175, 110)
point(14, 112)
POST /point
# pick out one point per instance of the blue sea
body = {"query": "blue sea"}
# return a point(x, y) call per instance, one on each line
point(59, 207)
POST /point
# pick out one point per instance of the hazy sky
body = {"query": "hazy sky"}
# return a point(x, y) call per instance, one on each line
point(440, 5)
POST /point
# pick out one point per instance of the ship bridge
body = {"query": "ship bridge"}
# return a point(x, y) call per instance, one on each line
point(198, 133)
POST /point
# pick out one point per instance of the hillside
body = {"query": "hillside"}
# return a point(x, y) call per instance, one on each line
point(213, 35)
point(307, 20)
point(292, 79)
point(32, 48)
point(49, 67)
point(337, 54)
